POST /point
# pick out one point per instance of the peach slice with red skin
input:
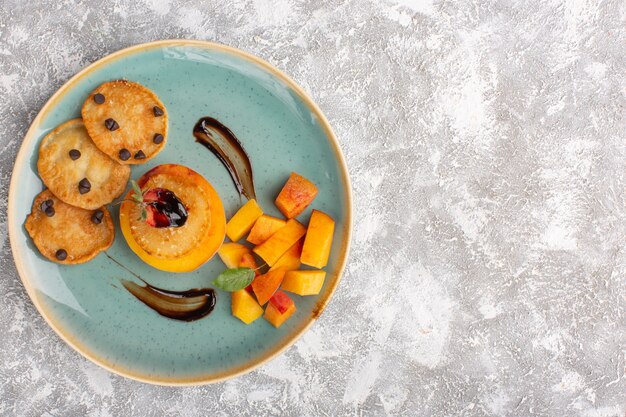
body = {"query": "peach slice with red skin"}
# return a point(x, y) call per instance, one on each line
point(247, 261)
point(275, 317)
point(296, 195)
point(264, 286)
point(231, 254)
point(209, 236)
point(281, 301)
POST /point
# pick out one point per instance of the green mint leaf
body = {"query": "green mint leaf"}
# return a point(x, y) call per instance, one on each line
point(144, 215)
point(137, 194)
point(234, 279)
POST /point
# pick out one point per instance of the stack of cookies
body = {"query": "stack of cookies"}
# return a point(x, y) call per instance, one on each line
point(85, 165)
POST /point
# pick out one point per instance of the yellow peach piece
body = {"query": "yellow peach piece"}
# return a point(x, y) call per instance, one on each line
point(291, 259)
point(307, 282)
point(243, 220)
point(245, 307)
point(319, 239)
point(264, 227)
point(231, 254)
point(280, 242)
point(275, 317)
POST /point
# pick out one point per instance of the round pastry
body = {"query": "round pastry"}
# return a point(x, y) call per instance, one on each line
point(126, 121)
point(66, 234)
point(176, 221)
point(76, 171)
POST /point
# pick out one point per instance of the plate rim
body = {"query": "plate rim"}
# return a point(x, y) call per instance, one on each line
point(278, 348)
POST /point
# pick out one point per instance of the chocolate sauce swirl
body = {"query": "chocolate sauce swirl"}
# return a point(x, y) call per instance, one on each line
point(219, 139)
point(186, 305)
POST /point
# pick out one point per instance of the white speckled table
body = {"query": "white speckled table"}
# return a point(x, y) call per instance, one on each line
point(486, 143)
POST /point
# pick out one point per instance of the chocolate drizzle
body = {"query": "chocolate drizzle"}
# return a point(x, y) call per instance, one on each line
point(217, 138)
point(186, 305)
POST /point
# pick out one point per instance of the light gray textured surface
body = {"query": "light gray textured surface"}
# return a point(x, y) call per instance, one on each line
point(486, 144)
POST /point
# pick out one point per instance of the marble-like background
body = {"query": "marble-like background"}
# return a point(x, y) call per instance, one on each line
point(486, 144)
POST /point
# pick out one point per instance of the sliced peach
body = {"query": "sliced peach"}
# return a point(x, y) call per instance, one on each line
point(319, 239)
point(265, 285)
point(275, 317)
point(274, 247)
point(264, 227)
point(207, 227)
point(281, 301)
point(296, 195)
point(232, 253)
point(290, 259)
point(247, 261)
point(307, 282)
point(243, 220)
point(245, 307)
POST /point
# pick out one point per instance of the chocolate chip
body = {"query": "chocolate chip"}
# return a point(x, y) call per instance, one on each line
point(97, 216)
point(98, 98)
point(84, 186)
point(61, 255)
point(74, 154)
point(49, 211)
point(111, 124)
point(45, 205)
point(158, 138)
point(158, 112)
point(140, 155)
point(124, 154)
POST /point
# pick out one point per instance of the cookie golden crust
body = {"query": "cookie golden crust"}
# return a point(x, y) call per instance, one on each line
point(126, 121)
point(76, 171)
point(66, 234)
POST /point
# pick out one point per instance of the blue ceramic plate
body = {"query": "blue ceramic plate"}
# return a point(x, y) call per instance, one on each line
point(282, 131)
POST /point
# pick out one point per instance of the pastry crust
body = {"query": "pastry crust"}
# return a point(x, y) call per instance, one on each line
point(69, 228)
point(173, 242)
point(204, 230)
point(62, 174)
point(132, 108)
